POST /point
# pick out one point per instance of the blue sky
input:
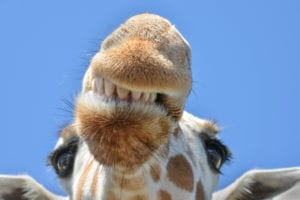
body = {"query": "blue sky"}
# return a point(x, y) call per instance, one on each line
point(245, 62)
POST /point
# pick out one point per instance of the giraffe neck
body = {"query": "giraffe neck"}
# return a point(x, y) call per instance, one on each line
point(138, 185)
point(98, 181)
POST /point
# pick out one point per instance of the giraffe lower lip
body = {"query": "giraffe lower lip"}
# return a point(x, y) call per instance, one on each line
point(118, 129)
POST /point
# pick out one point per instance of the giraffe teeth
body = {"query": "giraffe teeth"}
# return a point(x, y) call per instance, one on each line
point(94, 86)
point(152, 97)
point(145, 96)
point(122, 93)
point(109, 88)
point(136, 95)
point(103, 87)
point(100, 85)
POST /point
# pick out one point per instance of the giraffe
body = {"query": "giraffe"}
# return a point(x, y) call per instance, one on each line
point(134, 145)
point(131, 138)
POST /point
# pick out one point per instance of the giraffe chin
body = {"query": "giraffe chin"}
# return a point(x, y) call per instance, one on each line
point(121, 133)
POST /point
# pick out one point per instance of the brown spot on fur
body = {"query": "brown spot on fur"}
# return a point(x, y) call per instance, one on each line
point(112, 196)
point(130, 183)
point(199, 191)
point(180, 172)
point(155, 172)
point(82, 179)
point(139, 197)
point(123, 135)
point(94, 186)
point(163, 195)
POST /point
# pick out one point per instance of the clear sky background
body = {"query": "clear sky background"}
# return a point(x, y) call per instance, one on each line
point(245, 62)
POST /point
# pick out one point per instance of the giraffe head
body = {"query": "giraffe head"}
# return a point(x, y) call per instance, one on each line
point(134, 90)
point(130, 136)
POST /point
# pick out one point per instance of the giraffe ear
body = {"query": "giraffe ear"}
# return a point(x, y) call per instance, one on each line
point(281, 184)
point(24, 188)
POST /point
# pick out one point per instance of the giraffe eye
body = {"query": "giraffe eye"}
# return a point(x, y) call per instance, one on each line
point(64, 164)
point(62, 159)
point(215, 157)
point(217, 154)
